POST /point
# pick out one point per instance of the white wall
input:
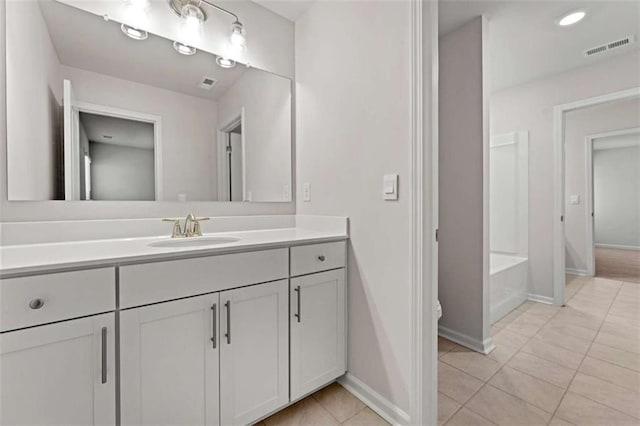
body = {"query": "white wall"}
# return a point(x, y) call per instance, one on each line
point(353, 125)
point(463, 257)
point(74, 210)
point(578, 125)
point(530, 107)
point(617, 196)
point(35, 96)
point(188, 128)
point(121, 172)
point(266, 99)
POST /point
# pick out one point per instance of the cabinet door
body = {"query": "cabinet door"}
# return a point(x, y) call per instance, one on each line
point(318, 334)
point(254, 352)
point(59, 374)
point(169, 363)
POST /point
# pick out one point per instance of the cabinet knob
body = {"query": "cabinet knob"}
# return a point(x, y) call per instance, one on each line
point(36, 304)
point(321, 258)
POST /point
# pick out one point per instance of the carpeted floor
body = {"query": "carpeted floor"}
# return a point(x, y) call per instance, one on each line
point(618, 264)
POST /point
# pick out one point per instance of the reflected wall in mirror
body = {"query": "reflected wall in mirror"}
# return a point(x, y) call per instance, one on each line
point(95, 115)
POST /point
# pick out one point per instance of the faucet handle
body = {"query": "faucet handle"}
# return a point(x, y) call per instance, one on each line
point(197, 229)
point(176, 231)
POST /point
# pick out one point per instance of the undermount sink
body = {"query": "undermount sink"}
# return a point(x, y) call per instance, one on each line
point(194, 242)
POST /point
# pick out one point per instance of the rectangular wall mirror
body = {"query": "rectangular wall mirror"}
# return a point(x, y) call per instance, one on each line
point(93, 114)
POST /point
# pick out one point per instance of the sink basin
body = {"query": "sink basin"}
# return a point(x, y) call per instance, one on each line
point(194, 242)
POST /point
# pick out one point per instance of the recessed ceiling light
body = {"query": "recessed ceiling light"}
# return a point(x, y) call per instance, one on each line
point(571, 18)
point(184, 49)
point(134, 33)
point(225, 62)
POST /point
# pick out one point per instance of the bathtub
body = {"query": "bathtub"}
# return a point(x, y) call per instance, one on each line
point(508, 283)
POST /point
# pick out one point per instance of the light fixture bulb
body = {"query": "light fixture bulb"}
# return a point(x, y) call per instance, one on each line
point(137, 13)
point(134, 33)
point(571, 18)
point(183, 49)
point(192, 19)
point(238, 38)
point(225, 62)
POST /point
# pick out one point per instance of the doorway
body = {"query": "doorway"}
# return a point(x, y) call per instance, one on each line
point(231, 152)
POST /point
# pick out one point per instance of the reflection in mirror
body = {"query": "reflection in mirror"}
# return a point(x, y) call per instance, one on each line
point(96, 115)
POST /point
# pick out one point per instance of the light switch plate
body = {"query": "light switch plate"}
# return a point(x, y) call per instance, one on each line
point(306, 192)
point(574, 199)
point(390, 187)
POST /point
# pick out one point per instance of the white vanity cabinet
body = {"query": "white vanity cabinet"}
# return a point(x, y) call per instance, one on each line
point(254, 352)
point(59, 374)
point(169, 358)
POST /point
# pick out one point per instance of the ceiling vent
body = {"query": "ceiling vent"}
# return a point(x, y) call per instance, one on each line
point(207, 83)
point(612, 45)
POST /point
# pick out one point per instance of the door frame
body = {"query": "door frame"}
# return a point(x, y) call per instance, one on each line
point(589, 197)
point(156, 120)
point(222, 170)
point(559, 240)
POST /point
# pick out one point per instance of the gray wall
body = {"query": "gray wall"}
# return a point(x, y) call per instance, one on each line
point(462, 129)
point(616, 188)
point(121, 172)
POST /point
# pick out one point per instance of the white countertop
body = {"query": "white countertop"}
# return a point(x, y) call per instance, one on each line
point(35, 258)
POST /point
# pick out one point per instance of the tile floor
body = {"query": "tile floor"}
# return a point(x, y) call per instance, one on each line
point(333, 405)
point(575, 365)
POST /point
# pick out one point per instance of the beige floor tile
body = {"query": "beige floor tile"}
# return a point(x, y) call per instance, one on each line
point(507, 338)
point(504, 409)
point(611, 373)
point(502, 353)
point(553, 353)
point(614, 320)
point(571, 330)
point(306, 412)
point(536, 392)
point(557, 421)
point(466, 417)
point(607, 393)
point(446, 408)
point(570, 316)
point(456, 384)
point(585, 412)
point(629, 345)
point(616, 356)
point(531, 318)
point(542, 369)
point(338, 402)
point(445, 345)
point(523, 328)
point(472, 363)
point(568, 342)
point(366, 417)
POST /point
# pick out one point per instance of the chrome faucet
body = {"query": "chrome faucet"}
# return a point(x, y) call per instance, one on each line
point(191, 227)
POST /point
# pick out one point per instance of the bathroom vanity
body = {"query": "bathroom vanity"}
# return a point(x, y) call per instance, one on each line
point(222, 334)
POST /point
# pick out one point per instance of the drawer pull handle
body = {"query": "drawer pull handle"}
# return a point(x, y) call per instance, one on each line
point(36, 304)
point(321, 258)
point(103, 370)
point(298, 315)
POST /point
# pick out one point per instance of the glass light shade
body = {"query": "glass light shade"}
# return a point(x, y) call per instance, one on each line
point(134, 33)
point(225, 62)
point(183, 49)
point(192, 19)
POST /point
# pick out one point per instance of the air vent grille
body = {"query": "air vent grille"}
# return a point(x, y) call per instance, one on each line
point(609, 46)
point(207, 83)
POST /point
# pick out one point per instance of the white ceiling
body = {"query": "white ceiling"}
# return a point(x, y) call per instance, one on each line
point(289, 9)
point(525, 43)
point(134, 134)
point(86, 41)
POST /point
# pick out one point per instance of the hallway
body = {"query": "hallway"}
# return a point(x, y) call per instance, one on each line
point(578, 365)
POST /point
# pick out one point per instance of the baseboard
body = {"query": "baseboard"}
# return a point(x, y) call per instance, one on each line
point(483, 347)
point(540, 299)
point(385, 408)
point(581, 272)
point(617, 246)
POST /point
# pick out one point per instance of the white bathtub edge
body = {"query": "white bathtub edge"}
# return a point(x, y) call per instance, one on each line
point(484, 347)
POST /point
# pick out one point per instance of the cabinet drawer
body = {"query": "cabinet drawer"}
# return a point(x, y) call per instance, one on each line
point(40, 299)
point(158, 282)
point(317, 257)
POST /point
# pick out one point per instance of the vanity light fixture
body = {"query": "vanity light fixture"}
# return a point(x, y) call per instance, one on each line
point(571, 18)
point(225, 62)
point(184, 49)
point(193, 15)
point(134, 33)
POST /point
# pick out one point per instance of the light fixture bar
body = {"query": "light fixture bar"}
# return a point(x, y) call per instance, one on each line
point(221, 9)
